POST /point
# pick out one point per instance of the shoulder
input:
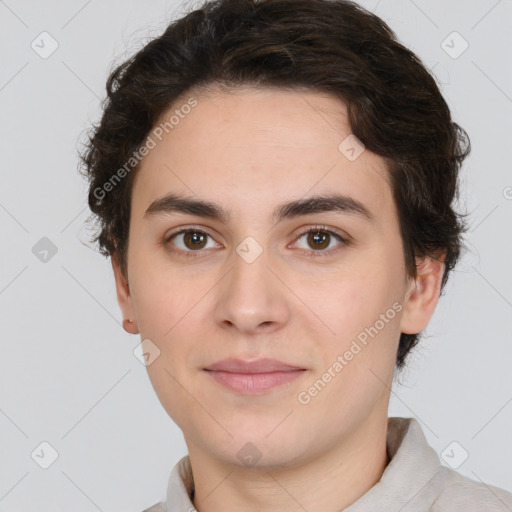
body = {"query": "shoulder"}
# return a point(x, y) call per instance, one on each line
point(462, 493)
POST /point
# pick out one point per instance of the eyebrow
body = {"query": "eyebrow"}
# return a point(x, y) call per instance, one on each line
point(175, 203)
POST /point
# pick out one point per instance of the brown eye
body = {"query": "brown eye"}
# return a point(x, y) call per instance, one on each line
point(194, 239)
point(189, 241)
point(317, 239)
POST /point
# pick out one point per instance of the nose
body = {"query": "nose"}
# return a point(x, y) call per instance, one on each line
point(251, 299)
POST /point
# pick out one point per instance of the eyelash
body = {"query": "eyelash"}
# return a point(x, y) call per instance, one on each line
point(310, 254)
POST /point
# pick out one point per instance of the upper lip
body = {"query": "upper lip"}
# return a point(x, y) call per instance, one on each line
point(266, 365)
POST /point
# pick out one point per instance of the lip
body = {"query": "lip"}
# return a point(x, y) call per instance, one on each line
point(266, 365)
point(253, 377)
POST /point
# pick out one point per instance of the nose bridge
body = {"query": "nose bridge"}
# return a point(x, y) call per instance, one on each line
point(251, 298)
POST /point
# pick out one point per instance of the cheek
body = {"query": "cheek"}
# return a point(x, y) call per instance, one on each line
point(352, 299)
point(362, 311)
point(164, 299)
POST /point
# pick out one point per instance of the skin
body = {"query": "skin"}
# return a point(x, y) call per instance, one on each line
point(251, 150)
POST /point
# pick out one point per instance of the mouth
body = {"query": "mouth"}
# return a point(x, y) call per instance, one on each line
point(253, 377)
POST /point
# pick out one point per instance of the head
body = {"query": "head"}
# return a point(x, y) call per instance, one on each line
point(266, 120)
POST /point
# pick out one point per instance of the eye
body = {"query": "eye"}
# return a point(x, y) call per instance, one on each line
point(189, 240)
point(320, 239)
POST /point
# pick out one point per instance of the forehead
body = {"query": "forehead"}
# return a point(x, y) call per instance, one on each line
point(255, 148)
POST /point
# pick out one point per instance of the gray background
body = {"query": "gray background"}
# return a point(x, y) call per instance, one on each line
point(68, 375)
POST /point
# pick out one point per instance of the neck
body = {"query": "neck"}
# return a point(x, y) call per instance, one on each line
point(331, 481)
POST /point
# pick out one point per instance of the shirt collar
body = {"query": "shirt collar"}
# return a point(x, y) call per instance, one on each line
point(413, 464)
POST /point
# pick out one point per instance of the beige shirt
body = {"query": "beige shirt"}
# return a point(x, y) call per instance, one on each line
point(413, 481)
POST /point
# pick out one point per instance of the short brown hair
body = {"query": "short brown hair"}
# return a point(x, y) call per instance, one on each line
point(395, 107)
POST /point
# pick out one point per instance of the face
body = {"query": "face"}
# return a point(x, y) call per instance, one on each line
point(318, 285)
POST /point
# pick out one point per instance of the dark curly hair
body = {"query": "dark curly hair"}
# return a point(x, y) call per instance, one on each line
point(395, 108)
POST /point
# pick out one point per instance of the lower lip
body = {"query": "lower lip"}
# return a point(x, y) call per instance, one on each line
point(253, 383)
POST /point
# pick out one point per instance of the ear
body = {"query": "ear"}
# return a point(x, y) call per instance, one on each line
point(422, 294)
point(124, 298)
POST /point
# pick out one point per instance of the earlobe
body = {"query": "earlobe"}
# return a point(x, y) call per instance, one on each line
point(130, 326)
point(124, 298)
point(422, 295)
